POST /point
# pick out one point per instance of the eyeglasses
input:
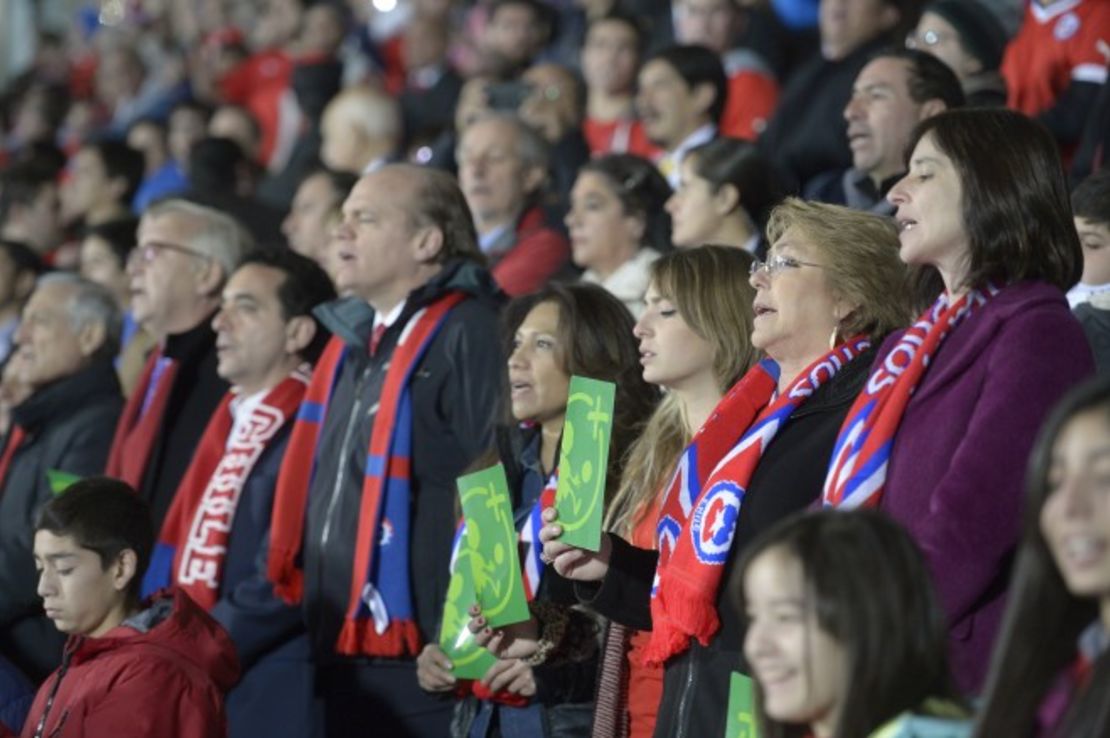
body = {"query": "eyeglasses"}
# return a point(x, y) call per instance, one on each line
point(925, 39)
point(776, 264)
point(148, 252)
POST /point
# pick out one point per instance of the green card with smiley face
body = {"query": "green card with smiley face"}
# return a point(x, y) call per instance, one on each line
point(490, 547)
point(584, 460)
point(468, 659)
point(741, 708)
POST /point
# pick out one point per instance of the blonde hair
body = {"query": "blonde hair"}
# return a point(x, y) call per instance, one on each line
point(862, 264)
point(709, 287)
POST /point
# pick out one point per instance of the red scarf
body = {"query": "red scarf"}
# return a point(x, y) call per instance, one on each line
point(138, 427)
point(379, 619)
point(688, 575)
point(195, 534)
point(15, 438)
point(857, 469)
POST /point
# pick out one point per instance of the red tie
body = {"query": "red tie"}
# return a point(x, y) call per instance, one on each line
point(14, 439)
point(376, 337)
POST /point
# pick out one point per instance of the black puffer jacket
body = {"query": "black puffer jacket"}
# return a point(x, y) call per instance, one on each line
point(455, 390)
point(789, 477)
point(68, 426)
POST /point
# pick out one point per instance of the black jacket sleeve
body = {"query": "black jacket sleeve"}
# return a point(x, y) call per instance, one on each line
point(624, 595)
point(1068, 117)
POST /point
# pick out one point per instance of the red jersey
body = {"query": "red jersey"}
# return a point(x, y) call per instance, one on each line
point(1058, 42)
point(622, 136)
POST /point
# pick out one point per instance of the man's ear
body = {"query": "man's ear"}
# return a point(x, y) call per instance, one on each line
point(726, 199)
point(534, 178)
point(91, 337)
point(931, 107)
point(118, 187)
point(124, 569)
point(704, 95)
point(210, 278)
point(427, 244)
point(299, 332)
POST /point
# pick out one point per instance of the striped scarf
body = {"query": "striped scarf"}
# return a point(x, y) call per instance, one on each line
point(857, 470)
point(379, 618)
point(192, 546)
point(688, 575)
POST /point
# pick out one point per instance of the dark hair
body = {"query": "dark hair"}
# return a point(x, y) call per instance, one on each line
point(305, 286)
point(541, 11)
point(732, 161)
point(617, 14)
point(1044, 619)
point(1015, 198)
point(439, 202)
point(192, 106)
point(642, 191)
point(106, 516)
point(120, 161)
point(929, 78)
point(1091, 198)
point(697, 65)
point(596, 329)
point(867, 584)
point(21, 184)
point(216, 165)
point(341, 183)
point(120, 235)
point(22, 257)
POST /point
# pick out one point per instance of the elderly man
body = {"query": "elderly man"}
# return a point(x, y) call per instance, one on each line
point(399, 406)
point(891, 95)
point(360, 131)
point(184, 255)
point(213, 538)
point(67, 339)
point(502, 170)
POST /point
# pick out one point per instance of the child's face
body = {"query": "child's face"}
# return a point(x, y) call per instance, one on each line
point(1075, 519)
point(1095, 238)
point(799, 666)
point(78, 594)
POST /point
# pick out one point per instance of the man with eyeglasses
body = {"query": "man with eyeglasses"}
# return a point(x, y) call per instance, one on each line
point(184, 256)
point(502, 172)
point(892, 94)
point(970, 39)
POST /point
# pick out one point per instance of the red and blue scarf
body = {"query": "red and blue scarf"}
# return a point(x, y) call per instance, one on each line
point(857, 470)
point(380, 618)
point(192, 545)
point(696, 533)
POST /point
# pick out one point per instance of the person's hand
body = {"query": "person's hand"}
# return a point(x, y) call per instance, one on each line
point(433, 670)
point(570, 561)
point(516, 641)
point(511, 675)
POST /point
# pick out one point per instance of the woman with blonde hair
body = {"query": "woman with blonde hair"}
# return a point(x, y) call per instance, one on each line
point(831, 289)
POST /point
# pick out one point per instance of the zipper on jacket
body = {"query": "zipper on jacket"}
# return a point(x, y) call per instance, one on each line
point(352, 420)
point(684, 701)
point(67, 654)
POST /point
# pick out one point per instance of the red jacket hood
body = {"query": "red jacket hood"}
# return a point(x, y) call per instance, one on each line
point(171, 622)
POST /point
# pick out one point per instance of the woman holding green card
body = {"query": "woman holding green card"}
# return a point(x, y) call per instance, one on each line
point(561, 331)
point(831, 289)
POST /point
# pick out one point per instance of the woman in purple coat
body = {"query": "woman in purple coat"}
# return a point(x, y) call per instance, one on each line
point(940, 434)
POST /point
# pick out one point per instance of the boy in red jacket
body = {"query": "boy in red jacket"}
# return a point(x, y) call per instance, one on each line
point(143, 670)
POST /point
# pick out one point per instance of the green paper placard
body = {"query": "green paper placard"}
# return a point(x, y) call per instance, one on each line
point(59, 481)
point(741, 708)
point(468, 659)
point(584, 460)
point(491, 546)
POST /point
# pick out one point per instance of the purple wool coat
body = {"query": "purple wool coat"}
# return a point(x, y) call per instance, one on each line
point(957, 469)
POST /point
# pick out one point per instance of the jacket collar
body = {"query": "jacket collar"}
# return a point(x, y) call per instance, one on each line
point(352, 319)
point(59, 399)
point(198, 340)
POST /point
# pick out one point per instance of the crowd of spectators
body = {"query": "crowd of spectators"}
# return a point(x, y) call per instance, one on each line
point(275, 273)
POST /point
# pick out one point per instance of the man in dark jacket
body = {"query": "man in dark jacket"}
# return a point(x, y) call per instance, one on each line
point(214, 539)
point(400, 404)
point(806, 135)
point(184, 256)
point(68, 337)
